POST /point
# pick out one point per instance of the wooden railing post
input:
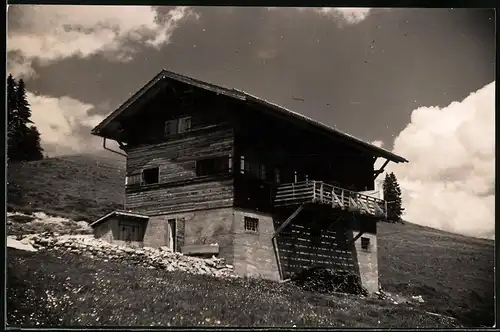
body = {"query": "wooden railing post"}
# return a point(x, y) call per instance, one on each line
point(314, 190)
point(321, 196)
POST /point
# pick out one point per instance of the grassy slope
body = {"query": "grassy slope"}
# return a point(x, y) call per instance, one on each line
point(109, 293)
point(77, 187)
point(453, 273)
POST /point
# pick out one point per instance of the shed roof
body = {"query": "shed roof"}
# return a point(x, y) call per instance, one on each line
point(119, 213)
point(274, 109)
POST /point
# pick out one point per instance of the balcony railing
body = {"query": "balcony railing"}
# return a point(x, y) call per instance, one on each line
point(323, 193)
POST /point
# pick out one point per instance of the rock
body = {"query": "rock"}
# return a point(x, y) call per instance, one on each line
point(418, 299)
point(161, 258)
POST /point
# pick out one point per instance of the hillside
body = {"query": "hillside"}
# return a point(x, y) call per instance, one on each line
point(80, 187)
point(453, 273)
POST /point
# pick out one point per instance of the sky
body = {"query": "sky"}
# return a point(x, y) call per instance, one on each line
point(418, 82)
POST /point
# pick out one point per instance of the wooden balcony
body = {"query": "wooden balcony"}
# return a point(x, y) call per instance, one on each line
point(318, 192)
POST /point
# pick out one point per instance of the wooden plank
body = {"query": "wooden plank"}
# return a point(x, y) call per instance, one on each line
point(350, 243)
point(205, 250)
point(288, 220)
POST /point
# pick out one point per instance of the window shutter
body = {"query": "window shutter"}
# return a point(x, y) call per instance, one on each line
point(171, 127)
point(184, 124)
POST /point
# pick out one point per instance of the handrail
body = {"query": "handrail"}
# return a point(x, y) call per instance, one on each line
point(322, 192)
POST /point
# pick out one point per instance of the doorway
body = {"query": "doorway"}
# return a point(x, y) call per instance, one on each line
point(171, 223)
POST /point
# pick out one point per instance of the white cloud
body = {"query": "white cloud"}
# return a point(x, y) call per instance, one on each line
point(51, 33)
point(449, 181)
point(64, 124)
point(350, 15)
point(378, 143)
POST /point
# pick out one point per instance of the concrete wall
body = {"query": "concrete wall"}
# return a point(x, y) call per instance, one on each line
point(367, 262)
point(367, 259)
point(156, 234)
point(200, 227)
point(253, 251)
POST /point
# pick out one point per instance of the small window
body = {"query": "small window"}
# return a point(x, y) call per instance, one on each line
point(262, 172)
point(253, 168)
point(251, 224)
point(213, 166)
point(177, 126)
point(277, 175)
point(171, 127)
point(365, 243)
point(242, 164)
point(151, 176)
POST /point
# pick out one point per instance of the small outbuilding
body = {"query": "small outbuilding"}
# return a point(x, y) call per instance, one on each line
point(121, 227)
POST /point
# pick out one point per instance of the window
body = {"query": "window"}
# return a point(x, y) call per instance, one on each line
point(253, 168)
point(177, 126)
point(213, 166)
point(151, 175)
point(365, 243)
point(277, 175)
point(251, 224)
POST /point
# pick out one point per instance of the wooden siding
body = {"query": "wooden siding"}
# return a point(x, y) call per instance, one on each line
point(179, 188)
point(299, 249)
point(290, 148)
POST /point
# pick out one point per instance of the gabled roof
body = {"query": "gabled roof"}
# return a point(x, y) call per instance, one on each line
point(119, 213)
point(243, 96)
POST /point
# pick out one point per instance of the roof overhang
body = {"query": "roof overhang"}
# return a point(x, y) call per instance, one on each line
point(157, 83)
point(140, 217)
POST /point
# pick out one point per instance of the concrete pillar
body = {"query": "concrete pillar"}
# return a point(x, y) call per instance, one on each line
point(365, 249)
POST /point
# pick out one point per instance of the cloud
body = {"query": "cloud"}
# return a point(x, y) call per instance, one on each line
point(50, 33)
point(349, 15)
point(378, 143)
point(64, 124)
point(450, 180)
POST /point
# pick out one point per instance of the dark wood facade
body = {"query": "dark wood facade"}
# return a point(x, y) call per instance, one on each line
point(186, 179)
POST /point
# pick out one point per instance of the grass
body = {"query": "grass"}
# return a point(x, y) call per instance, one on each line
point(109, 293)
point(76, 187)
point(453, 273)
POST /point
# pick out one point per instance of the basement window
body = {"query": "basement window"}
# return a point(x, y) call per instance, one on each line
point(365, 243)
point(151, 175)
point(251, 224)
point(213, 166)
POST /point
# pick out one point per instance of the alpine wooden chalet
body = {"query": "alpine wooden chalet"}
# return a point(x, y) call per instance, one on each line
point(212, 170)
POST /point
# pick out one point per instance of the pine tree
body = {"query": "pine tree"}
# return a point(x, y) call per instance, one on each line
point(392, 195)
point(12, 118)
point(23, 136)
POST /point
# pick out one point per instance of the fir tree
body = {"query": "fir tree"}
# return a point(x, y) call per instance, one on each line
point(23, 136)
point(12, 118)
point(392, 195)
